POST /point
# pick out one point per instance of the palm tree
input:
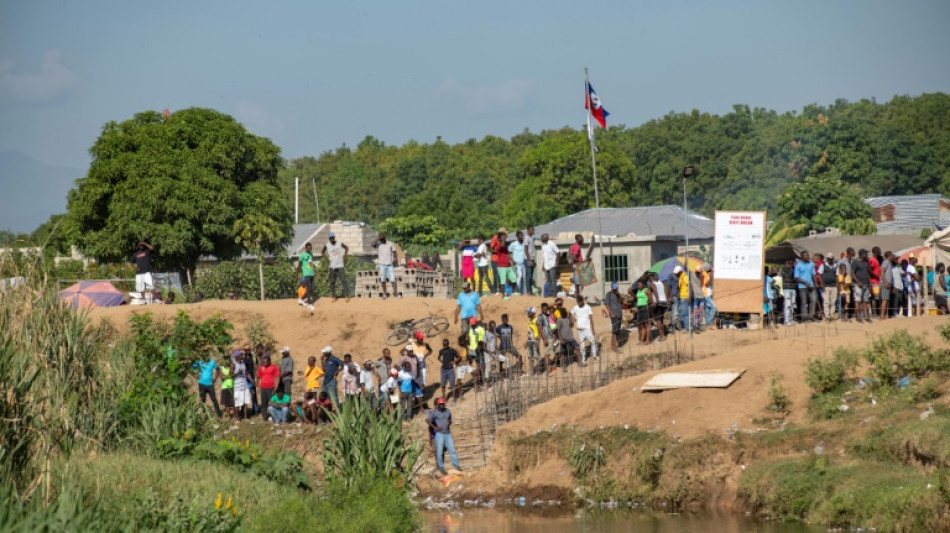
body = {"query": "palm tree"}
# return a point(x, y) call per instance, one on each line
point(258, 234)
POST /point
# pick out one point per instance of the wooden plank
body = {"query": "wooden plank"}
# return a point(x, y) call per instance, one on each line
point(719, 379)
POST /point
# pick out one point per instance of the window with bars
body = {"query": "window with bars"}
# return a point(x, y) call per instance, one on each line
point(615, 268)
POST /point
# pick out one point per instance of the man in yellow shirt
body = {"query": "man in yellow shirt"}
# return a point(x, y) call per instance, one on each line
point(684, 296)
point(313, 374)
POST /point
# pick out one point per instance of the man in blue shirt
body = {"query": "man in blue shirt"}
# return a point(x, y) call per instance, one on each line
point(331, 367)
point(807, 296)
point(207, 372)
point(518, 256)
point(469, 305)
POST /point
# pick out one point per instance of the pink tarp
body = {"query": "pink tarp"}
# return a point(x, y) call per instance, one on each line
point(87, 294)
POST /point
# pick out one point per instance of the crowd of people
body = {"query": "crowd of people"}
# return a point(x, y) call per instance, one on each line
point(861, 286)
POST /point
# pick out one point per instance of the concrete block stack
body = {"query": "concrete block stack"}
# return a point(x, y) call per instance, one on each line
point(410, 282)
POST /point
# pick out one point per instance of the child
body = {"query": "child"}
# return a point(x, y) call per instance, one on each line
point(844, 290)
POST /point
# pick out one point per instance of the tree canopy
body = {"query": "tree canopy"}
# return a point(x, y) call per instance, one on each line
point(180, 183)
point(744, 159)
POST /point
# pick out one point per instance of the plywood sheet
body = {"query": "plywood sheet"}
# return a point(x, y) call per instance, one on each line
point(717, 379)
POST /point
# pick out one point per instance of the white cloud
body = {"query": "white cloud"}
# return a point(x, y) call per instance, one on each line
point(258, 120)
point(505, 96)
point(53, 80)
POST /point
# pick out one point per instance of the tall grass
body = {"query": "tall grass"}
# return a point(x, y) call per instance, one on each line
point(365, 447)
point(56, 394)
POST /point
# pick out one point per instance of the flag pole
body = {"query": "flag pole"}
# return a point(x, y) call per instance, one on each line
point(593, 168)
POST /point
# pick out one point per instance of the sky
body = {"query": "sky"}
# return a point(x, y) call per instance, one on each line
point(312, 76)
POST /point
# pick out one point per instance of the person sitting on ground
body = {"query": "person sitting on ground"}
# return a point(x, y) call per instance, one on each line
point(279, 407)
point(324, 407)
point(310, 407)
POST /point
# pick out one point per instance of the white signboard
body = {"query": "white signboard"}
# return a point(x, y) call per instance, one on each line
point(739, 245)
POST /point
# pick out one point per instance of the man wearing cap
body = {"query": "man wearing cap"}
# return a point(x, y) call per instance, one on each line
point(388, 261)
point(308, 272)
point(684, 297)
point(331, 368)
point(335, 253)
point(469, 305)
point(534, 339)
point(440, 420)
point(614, 310)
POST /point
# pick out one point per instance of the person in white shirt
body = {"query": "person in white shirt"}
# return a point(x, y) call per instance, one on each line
point(389, 390)
point(481, 261)
point(583, 320)
point(530, 252)
point(549, 257)
point(367, 380)
point(335, 253)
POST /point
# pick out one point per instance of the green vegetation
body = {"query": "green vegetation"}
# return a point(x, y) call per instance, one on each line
point(179, 182)
point(778, 396)
point(222, 280)
point(103, 433)
point(825, 157)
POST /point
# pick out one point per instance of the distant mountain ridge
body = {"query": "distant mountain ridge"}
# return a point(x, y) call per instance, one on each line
point(31, 191)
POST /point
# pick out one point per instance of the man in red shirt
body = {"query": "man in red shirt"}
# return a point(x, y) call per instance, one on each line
point(506, 273)
point(501, 236)
point(266, 381)
point(874, 264)
point(577, 256)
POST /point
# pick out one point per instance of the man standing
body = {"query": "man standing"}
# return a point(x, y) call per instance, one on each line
point(502, 253)
point(685, 296)
point(549, 256)
point(267, 376)
point(142, 261)
point(887, 284)
point(493, 256)
point(529, 250)
point(286, 370)
point(940, 289)
point(388, 261)
point(506, 343)
point(208, 372)
point(313, 375)
point(583, 319)
point(861, 286)
point(518, 257)
point(331, 367)
point(805, 274)
point(577, 257)
point(481, 258)
point(469, 305)
point(336, 253)
point(614, 311)
point(874, 265)
point(440, 420)
point(449, 358)
point(662, 303)
point(308, 272)
point(829, 283)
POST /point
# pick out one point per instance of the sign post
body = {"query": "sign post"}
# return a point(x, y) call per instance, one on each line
point(739, 261)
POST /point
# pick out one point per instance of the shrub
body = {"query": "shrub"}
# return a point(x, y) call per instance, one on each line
point(155, 514)
point(257, 331)
point(586, 460)
point(778, 397)
point(823, 375)
point(365, 447)
point(902, 354)
point(222, 280)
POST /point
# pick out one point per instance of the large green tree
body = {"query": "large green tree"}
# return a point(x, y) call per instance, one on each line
point(179, 182)
point(820, 202)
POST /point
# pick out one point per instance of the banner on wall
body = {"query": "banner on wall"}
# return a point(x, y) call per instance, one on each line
point(739, 248)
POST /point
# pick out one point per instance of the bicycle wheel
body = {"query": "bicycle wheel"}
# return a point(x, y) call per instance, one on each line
point(398, 336)
point(438, 326)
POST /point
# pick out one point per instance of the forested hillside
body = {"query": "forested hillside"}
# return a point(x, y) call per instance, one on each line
point(744, 160)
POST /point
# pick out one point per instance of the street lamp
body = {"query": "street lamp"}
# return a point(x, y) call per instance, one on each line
point(687, 173)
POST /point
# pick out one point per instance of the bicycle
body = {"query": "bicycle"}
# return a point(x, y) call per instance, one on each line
point(431, 325)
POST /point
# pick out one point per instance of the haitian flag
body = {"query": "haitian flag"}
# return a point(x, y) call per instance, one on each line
point(592, 102)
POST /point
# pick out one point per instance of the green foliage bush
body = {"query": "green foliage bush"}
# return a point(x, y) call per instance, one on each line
point(257, 331)
point(902, 354)
point(365, 447)
point(778, 396)
point(586, 460)
point(823, 374)
point(242, 279)
point(156, 514)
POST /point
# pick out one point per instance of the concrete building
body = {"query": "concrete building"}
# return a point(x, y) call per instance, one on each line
point(356, 235)
point(633, 238)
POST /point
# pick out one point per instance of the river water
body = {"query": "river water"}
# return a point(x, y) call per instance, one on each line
point(505, 520)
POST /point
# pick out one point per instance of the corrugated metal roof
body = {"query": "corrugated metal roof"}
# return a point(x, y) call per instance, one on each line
point(909, 213)
point(644, 220)
point(303, 233)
